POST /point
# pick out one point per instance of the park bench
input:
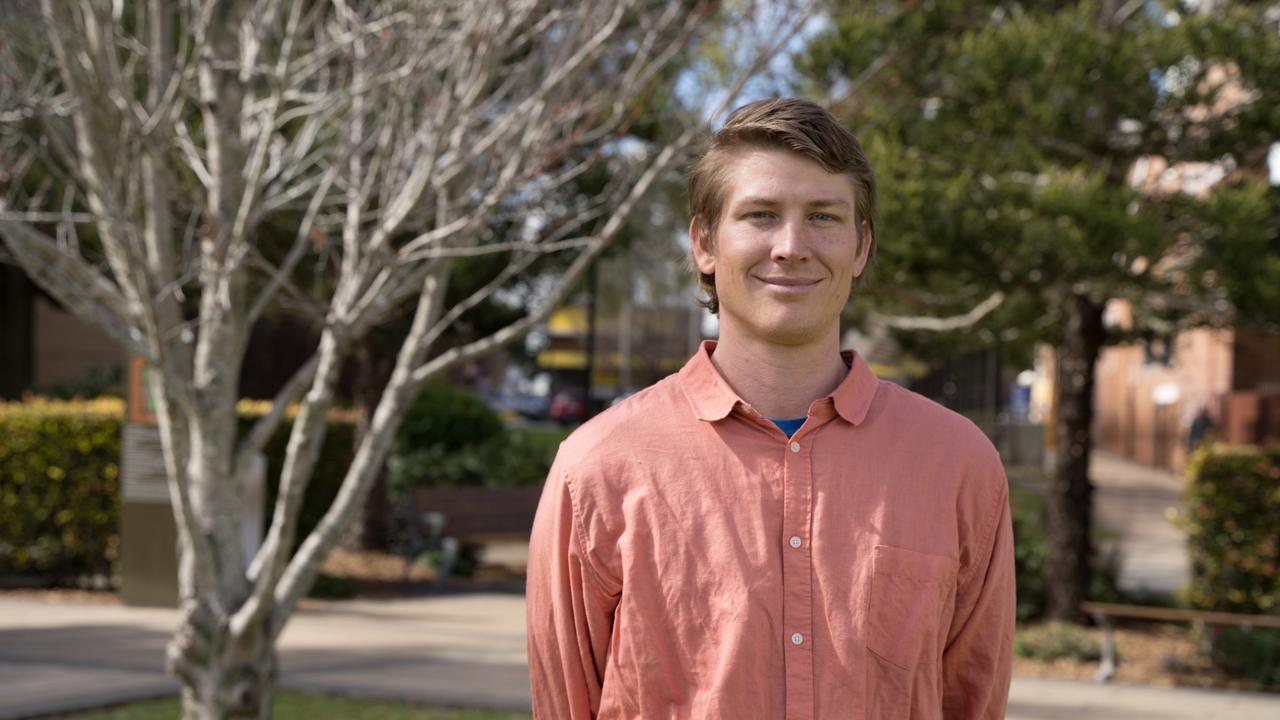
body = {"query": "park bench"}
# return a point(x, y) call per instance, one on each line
point(1103, 613)
point(425, 531)
point(469, 515)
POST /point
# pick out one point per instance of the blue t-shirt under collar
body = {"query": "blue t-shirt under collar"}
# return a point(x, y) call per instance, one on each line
point(788, 426)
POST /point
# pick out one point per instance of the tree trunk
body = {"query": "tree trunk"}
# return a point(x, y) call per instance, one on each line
point(222, 676)
point(1070, 496)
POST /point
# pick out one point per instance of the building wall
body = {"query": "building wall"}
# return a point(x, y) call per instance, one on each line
point(17, 293)
point(1144, 407)
point(66, 348)
point(1256, 365)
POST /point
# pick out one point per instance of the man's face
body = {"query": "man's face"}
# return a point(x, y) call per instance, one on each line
point(786, 251)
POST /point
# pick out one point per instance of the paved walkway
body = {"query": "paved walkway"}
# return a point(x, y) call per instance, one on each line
point(1137, 502)
point(459, 650)
point(1134, 504)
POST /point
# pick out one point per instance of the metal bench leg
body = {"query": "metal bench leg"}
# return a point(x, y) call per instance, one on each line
point(1202, 632)
point(1107, 669)
point(450, 546)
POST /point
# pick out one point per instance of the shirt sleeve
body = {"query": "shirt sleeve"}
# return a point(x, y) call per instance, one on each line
point(977, 662)
point(570, 611)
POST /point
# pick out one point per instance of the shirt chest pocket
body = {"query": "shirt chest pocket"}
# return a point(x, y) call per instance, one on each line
point(909, 593)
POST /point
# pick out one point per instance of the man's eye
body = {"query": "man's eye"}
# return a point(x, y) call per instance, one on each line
point(823, 217)
point(759, 215)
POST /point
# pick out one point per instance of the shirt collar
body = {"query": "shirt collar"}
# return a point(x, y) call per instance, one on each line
point(712, 398)
point(853, 396)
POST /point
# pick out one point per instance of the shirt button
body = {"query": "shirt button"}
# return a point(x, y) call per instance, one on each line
point(795, 541)
point(795, 446)
point(797, 638)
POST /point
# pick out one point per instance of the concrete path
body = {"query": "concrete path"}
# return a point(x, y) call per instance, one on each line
point(459, 650)
point(1137, 503)
point(1134, 503)
point(1042, 699)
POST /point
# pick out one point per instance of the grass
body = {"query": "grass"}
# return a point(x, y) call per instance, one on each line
point(298, 706)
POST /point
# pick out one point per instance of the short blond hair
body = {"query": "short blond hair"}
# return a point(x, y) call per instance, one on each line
point(790, 124)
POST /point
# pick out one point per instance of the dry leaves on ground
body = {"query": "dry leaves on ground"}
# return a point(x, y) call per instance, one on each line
point(1160, 654)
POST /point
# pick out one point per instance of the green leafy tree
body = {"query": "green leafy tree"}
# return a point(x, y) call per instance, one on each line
point(1009, 140)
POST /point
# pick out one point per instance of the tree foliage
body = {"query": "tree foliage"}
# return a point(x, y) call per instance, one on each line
point(1005, 135)
point(1053, 157)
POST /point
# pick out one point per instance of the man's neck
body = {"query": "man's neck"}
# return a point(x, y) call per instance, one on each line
point(779, 381)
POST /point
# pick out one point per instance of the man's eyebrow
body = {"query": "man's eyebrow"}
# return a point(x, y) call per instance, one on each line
point(757, 200)
point(828, 202)
point(768, 201)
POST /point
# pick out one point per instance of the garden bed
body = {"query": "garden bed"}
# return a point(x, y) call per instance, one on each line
point(1158, 654)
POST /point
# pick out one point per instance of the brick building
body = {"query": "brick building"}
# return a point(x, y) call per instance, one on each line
point(1149, 394)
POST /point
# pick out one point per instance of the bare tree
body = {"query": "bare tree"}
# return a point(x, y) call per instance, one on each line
point(144, 147)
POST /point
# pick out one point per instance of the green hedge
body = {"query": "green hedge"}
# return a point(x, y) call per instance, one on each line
point(59, 484)
point(451, 438)
point(59, 488)
point(1233, 536)
point(1233, 528)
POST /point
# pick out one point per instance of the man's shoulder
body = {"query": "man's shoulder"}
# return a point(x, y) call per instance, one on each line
point(927, 421)
point(648, 417)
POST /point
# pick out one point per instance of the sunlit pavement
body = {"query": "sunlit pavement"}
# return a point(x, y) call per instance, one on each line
point(459, 650)
point(1042, 699)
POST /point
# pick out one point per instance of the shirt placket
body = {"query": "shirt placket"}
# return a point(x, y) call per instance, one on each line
point(797, 580)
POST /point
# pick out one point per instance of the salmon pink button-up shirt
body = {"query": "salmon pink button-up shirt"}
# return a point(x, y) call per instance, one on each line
point(689, 560)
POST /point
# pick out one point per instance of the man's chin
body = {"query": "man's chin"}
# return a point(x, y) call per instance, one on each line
point(790, 329)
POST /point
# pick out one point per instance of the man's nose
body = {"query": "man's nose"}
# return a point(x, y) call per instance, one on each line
point(791, 244)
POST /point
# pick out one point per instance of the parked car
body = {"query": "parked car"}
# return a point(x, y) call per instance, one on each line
point(567, 408)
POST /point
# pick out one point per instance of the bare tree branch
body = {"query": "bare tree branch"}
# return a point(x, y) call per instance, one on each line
point(76, 284)
point(955, 322)
point(196, 158)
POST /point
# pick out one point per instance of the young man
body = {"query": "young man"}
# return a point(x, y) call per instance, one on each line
point(773, 532)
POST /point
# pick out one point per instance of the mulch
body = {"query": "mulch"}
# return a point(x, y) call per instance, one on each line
point(1158, 654)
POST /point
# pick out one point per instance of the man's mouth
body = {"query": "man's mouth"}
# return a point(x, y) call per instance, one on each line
point(789, 281)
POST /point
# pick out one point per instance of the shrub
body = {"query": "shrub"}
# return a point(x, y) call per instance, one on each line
point(1252, 653)
point(59, 488)
point(450, 438)
point(1233, 502)
point(1232, 506)
point(60, 492)
point(447, 417)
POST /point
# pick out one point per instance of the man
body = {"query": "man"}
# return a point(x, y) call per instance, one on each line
point(772, 532)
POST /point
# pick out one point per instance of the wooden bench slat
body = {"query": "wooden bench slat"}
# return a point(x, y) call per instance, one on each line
point(1212, 617)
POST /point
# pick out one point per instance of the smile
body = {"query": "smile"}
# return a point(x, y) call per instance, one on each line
point(789, 285)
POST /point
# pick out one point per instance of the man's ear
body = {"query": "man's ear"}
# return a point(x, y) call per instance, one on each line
point(866, 241)
point(704, 257)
